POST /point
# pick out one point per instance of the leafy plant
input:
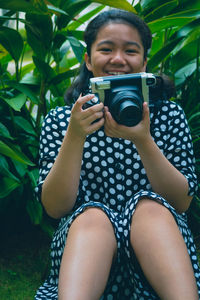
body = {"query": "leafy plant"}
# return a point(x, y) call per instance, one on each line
point(38, 59)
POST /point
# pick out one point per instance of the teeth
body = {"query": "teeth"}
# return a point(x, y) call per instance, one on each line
point(116, 73)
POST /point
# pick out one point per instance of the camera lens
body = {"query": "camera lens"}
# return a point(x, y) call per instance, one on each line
point(130, 113)
point(126, 108)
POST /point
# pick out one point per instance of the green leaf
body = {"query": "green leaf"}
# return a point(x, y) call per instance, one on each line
point(122, 4)
point(5, 14)
point(39, 29)
point(161, 11)
point(73, 8)
point(4, 132)
point(30, 79)
point(190, 4)
point(186, 71)
point(23, 89)
point(34, 209)
point(27, 69)
point(46, 71)
point(194, 36)
point(60, 46)
point(24, 125)
point(150, 4)
point(14, 153)
point(12, 41)
point(7, 185)
point(63, 76)
point(77, 48)
point(33, 174)
point(87, 16)
point(162, 54)
point(56, 10)
point(4, 169)
point(31, 6)
point(194, 116)
point(16, 102)
point(185, 56)
point(78, 34)
point(21, 168)
point(169, 22)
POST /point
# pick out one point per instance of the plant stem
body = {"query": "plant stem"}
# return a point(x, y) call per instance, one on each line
point(198, 53)
point(42, 104)
point(17, 62)
point(13, 121)
point(1, 76)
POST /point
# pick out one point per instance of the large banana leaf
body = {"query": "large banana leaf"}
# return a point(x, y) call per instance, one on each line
point(162, 10)
point(74, 7)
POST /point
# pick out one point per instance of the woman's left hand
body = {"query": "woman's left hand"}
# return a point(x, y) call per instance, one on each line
point(136, 134)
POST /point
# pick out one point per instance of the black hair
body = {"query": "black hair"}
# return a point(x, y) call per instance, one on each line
point(120, 17)
point(80, 85)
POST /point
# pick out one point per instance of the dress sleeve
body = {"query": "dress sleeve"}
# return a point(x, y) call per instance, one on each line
point(180, 148)
point(51, 137)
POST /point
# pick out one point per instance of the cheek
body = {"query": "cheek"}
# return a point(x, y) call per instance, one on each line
point(140, 64)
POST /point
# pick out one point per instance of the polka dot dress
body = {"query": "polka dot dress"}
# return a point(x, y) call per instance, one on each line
point(114, 180)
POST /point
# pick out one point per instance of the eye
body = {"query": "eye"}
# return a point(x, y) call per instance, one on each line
point(105, 49)
point(131, 51)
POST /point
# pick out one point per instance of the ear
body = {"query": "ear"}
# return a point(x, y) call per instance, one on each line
point(88, 62)
point(144, 65)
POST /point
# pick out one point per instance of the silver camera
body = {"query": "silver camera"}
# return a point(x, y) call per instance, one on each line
point(123, 94)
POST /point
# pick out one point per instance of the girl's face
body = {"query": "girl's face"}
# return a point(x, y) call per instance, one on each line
point(117, 50)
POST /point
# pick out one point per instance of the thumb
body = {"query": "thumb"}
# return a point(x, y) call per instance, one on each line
point(145, 110)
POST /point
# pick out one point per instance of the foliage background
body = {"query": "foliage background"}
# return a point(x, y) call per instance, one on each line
point(39, 56)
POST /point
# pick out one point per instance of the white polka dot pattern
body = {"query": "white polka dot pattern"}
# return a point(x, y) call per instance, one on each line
point(113, 179)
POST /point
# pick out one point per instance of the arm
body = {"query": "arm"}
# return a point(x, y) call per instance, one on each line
point(163, 176)
point(165, 179)
point(60, 187)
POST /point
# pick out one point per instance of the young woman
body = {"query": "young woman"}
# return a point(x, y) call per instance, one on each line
point(127, 188)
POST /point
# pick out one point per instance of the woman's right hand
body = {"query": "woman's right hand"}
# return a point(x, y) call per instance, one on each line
point(82, 120)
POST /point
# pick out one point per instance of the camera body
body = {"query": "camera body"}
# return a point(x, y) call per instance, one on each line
point(123, 94)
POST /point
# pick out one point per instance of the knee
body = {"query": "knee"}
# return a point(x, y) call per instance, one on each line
point(149, 218)
point(149, 209)
point(92, 219)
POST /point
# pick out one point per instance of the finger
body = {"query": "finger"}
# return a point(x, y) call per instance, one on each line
point(92, 113)
point(110, 120)
point(96, 125)
point(95, 115)
point(82, 100)
point(111, 126)
point(94, 108)
point(145, 108)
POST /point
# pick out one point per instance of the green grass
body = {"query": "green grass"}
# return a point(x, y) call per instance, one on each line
point(24, 261)
point(24, 264)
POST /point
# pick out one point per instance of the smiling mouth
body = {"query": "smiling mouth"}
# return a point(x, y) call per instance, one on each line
point(116, 73)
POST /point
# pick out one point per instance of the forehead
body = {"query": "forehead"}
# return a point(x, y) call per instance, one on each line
point(119, 32)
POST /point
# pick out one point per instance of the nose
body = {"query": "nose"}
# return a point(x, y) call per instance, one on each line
point(118, 58)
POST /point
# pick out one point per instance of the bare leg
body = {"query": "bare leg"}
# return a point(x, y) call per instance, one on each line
point(162, 253)
point(87, 257)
